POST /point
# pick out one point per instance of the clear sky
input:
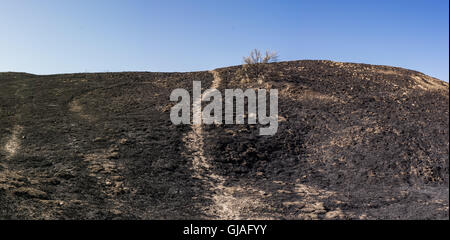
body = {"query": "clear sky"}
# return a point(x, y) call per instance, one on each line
point(54, 36)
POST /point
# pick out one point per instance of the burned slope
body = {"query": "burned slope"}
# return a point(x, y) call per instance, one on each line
point(94, 146)
point(354, 141)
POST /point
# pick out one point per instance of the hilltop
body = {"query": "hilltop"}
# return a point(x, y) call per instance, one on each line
point(354, 141)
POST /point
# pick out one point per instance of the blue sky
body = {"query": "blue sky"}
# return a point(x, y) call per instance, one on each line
point(54, 36)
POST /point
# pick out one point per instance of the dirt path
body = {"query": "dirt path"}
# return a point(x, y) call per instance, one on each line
point(13, 142)
point(225, 203)
point(101, 163)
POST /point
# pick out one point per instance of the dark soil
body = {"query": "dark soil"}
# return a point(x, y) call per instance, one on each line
point(354, 141)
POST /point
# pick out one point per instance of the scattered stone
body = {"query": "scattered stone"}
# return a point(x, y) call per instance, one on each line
point(337, 214)
point(99, 139)
point(28, 192)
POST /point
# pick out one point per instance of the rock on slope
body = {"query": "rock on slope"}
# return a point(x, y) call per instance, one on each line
point(354, 141)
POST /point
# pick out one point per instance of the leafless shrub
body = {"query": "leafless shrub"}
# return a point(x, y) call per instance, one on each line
point(253, 64)
point(256, 57)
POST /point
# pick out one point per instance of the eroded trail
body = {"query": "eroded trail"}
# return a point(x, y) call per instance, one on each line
point(225, 203)
point(102, 164)
point(12, 145)
point(13, 142)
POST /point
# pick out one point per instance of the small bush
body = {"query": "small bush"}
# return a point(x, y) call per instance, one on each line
point(256, 57)
point(254, 64)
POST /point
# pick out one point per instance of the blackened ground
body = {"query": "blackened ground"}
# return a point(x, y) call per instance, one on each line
point(354, 141)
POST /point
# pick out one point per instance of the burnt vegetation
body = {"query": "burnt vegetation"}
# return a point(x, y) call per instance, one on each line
point(354, 141)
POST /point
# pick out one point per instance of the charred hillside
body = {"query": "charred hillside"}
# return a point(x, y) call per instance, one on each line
point(354, 141)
